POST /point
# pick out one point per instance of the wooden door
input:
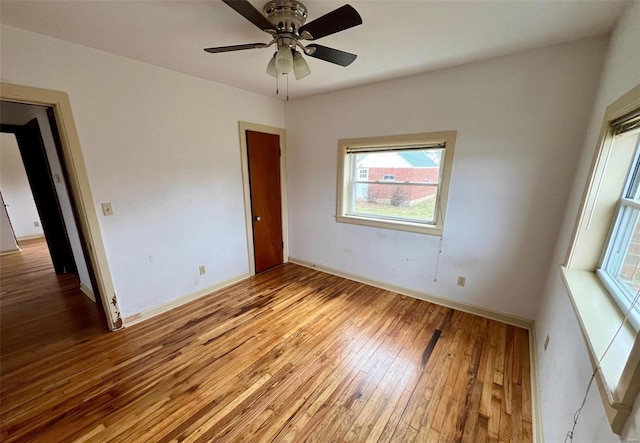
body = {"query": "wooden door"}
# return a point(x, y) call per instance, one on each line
point(263, 154)
point(36, 165)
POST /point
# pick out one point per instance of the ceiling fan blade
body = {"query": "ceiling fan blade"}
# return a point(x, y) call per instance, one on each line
point(246, 9)
point(337, 20)
point(330, 55)
point(236, 47)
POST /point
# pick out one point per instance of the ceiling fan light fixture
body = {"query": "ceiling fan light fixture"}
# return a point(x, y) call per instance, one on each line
point(284, 59)
point(271, 67)
point(300, 66)
point(285, 22)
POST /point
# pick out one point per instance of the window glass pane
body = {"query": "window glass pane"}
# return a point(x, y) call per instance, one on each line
point(621, 268)
point(404, 202)
point(625, 261)
point(633, 186)
point(399, 184)
point(412, 165)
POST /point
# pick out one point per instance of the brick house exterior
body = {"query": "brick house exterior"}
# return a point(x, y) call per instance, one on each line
point(392, 167)
point(630, 270)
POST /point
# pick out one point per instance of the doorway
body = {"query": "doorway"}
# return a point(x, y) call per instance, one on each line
point(75, 173)
point(43, 191)
point(264, 177)
point(47, 295)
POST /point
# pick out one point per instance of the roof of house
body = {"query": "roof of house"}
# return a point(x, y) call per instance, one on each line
point(419, 159)
point(394, 159)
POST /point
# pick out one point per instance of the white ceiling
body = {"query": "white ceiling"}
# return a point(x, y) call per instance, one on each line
point(397, 38)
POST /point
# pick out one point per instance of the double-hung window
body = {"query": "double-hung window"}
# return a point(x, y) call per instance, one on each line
point(393, 193)
point(602, 268)
point(619, 268)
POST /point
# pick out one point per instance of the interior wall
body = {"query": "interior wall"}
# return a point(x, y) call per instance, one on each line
point(163, 148)
point(7, 237)
point(564, 368)
point(520, 122)
point(16, 191)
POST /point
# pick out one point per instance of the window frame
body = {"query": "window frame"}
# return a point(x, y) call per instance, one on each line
point(447, 138)
point(598, 315)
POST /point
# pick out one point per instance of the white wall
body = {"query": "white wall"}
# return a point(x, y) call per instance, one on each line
point(20, 114)
point(7, 237)
point(163, 148)
point(564, 369)
point(16, 191)
point(520, 122)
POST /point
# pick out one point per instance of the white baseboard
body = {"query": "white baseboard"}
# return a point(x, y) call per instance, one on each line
point(29, 237)
point(471, 309)
point(11, 251)
point(86, 290)
point(144, 315)
point(535, 389)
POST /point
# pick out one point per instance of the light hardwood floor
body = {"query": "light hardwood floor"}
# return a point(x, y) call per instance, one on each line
point(288, 355)
point(39, 308)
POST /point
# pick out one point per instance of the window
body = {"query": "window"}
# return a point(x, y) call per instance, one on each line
point(601, 270)
point(393, 193)
point(619, 269)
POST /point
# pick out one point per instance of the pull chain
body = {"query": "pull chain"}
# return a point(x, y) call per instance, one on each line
point(435, 276)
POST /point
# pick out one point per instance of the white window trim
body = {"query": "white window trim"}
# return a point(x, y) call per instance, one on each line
point(598, 315)
point(410, 140)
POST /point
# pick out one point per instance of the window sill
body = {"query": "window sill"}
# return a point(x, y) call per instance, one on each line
point(599, 318)
point(397, 225)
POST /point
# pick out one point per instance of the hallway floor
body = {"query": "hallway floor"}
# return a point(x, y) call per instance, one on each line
point(39, 309)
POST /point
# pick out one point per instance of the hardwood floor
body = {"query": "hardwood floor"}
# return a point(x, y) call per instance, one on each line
point(288, 355)
point(38, 308)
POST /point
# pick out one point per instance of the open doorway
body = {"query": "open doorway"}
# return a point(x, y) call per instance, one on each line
point(48, 288)
point(70, 154)
point(27, 183)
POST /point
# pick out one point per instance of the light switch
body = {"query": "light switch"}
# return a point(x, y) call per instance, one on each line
point(107, 209)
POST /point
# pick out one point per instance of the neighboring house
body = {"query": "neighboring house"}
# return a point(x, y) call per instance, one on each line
point(401, 167)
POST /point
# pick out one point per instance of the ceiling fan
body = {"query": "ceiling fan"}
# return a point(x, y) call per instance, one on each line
point(284, 21)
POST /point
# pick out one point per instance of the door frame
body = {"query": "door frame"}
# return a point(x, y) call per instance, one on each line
point(43, 191)
point(243, 127)
point(79, 189)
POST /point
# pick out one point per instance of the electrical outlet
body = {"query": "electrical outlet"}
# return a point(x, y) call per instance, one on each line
point(202, 269)
point(107, 209)
point(546, 342)
point(462, 280)
point(36, 224)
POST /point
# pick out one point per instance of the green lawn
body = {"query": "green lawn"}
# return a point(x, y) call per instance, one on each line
point(421, 211)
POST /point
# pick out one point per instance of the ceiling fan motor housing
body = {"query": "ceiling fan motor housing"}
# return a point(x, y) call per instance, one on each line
point(286, 15)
